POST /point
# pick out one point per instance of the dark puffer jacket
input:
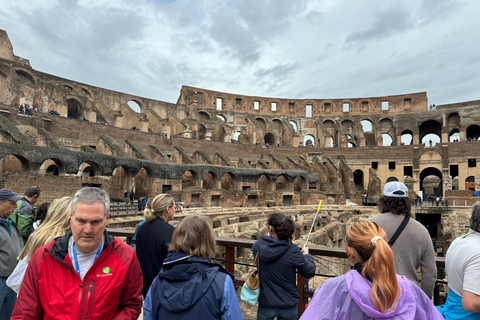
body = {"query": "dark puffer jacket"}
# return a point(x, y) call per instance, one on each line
point(279, 260)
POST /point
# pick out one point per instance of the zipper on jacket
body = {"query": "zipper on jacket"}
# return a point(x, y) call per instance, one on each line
point(87, 305)
point(80, 298)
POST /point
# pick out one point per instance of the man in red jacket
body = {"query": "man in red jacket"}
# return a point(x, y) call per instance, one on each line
point(86, 274)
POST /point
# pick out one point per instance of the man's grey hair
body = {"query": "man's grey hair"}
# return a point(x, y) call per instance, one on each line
point(475, 219)
point(91, 195)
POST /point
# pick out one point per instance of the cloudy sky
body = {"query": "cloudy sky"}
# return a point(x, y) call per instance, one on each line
point(271, 48)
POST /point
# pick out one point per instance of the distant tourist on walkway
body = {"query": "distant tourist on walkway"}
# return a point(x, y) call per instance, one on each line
point(279, 260)
point(189, 285)
point(132, 195)
point(372, 290)
point(154, 237)
point(462, 263)
point(413, 248)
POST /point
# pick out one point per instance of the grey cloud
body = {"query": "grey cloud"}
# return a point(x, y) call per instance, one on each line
point(395, 19)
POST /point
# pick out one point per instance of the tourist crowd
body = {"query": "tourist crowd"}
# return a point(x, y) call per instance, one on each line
point(63, 264)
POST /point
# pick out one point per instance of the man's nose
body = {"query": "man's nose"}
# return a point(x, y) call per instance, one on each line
point(87, 228)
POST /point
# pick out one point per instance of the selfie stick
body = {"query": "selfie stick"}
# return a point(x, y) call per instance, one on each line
point(318, 210)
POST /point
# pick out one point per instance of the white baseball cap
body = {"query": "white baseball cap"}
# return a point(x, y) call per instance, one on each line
point(395, 189)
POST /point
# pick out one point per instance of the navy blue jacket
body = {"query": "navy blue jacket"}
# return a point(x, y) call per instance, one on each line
point(191, 288)
point(153, 239)
point(279, 260)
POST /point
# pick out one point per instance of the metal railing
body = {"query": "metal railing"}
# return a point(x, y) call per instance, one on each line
point(231, 243)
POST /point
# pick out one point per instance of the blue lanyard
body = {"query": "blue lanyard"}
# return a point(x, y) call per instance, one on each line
point(77, 267)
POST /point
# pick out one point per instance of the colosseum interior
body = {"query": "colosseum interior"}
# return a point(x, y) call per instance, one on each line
point(238, 158)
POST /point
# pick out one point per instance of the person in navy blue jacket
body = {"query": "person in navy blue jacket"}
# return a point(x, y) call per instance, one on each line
point(189, 286)
point(279, 259)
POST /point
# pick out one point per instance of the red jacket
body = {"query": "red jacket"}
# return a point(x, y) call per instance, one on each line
point(52, 289)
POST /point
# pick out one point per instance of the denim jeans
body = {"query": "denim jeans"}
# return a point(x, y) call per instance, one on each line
point(281, 313)
point(8, 297)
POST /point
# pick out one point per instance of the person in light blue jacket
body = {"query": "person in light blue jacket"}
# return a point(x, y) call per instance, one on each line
point(189, 285)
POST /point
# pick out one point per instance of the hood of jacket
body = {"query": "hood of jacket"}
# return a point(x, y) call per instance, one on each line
point(270, 249)
point(184, 280)
point(360, 288)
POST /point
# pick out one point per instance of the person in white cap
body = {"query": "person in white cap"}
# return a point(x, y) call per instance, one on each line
point(410, 241)
point(10, 246)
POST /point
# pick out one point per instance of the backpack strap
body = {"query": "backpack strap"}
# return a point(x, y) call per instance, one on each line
point(399, 231)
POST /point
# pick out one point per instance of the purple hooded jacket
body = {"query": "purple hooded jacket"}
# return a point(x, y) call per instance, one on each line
point(348, 297)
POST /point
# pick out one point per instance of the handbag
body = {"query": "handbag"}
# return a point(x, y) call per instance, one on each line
point(251, 287)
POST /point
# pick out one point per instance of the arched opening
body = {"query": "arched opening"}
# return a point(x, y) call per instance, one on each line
point(387, 139)
point(269, 139)
point(430, 130)
point(209, 181)
point(134, 105)
point(261, 122)
point(431, 183)
point(87, 170)
point(430, 140)
point(294, 125)
point(351, 145)
point(228, 182)
point(299, 184)
point(143, 183)
point(119, 183)
point(218, 133)
point(454, 136)
point(52, 167)
point(366, 125)
point(219, 116)
point(281, 183)
point(201, 131)
point(25, 78)
point(277, 123)
point(309, 141)
point(391, 179)
point(473, 132)
point(188, 179)
point(75, 109)
point(358, 180)
point(202, 115)
point(12, 163)
point(470, 183)
point(236, 135)
point(263, 183)
point(407, 137)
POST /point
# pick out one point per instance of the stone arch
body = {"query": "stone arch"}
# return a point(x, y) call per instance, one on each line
point(281, 183)
point(119, 183)
point(367, 125)
point(143, 182)
point(209, 180)
point(221, 117)
point(261, 121)
point(299, 184)
point(25, 78)
point(430, 127)
point(358, 180)
point(269, 138)
point(391, 179)
point(470, 183)
point(203, 115)
point(135, 105)
point(52, 167)
point(454, 135)
point(87, 92)
point(407, 137)
point(200, 132)
point(75, 109)
point(294, 125)
point(473, 132)
point(264, 183)
point(219, 133)
point(309, 141)
point(453, 121)
point(351, 145)
point(386, 124)
point(431, 189)
point(228, 181)
point(387, 139)
point(332, 132)
point(189, 179)
point(236, 135)
point(13, 163)
point(277, 123)
point(88, 169)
